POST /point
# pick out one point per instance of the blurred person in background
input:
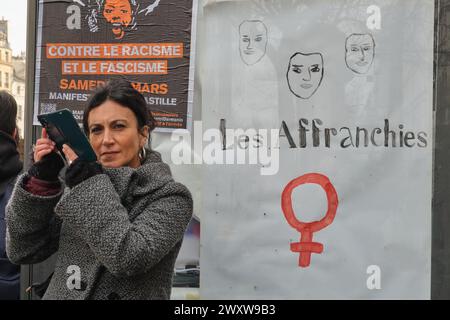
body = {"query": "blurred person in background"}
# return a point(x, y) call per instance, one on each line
point(10, 167)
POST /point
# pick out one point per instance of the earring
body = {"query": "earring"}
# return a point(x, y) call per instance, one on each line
point(142, 154)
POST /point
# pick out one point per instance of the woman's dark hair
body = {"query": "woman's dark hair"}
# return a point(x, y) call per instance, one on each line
point(8, 113)
point(122, 92)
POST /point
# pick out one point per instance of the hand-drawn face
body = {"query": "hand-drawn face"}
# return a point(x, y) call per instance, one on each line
point(253, 41)
point(359, 52)
point(305, 74)
point(119, 14)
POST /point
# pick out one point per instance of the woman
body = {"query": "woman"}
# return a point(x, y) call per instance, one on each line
point(119, 223)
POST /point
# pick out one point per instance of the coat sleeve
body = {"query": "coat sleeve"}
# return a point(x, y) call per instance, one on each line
point(32, 233)
point(126, 248)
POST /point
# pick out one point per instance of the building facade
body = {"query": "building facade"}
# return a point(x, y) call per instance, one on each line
point(6, 66)
point(18, 90)
point(12, 75)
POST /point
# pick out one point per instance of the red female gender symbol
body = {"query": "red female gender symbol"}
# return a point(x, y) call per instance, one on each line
point(305, 247)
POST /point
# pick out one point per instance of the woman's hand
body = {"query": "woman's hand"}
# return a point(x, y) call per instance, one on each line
point(79, 170)
point(71, 156)
point(47, 162)
point(44, 146)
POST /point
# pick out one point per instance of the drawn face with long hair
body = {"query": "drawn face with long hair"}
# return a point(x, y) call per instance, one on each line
point(305, 73)
point(119, 14)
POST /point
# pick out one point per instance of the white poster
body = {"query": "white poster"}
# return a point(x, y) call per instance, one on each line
point(335, 202)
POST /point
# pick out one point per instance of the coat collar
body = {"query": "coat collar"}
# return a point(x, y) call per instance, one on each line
point(135, 182)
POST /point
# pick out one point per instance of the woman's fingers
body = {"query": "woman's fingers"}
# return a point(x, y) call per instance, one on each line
point(38, 155)
point(44, 133)
point(43, 148)
point(69, 153)
point(45, 142)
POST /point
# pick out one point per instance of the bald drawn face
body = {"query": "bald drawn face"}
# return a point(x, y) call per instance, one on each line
point(252, 41)
point(305, 73)
point(359, 52)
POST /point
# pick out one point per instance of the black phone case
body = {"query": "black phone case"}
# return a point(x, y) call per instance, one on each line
point(62, 128)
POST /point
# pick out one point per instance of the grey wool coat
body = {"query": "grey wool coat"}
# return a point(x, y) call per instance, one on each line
point(122, 230)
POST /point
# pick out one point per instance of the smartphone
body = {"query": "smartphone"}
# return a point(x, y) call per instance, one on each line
point(62, 128)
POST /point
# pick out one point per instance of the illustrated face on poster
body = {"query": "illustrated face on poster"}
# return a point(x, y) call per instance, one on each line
point(359, 52)
point(252, 41)
point(118, 13)
point(305, 74)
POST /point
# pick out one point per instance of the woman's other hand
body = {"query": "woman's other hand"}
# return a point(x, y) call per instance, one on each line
point(44, 146)
point(71, 156)
point(79, 170)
